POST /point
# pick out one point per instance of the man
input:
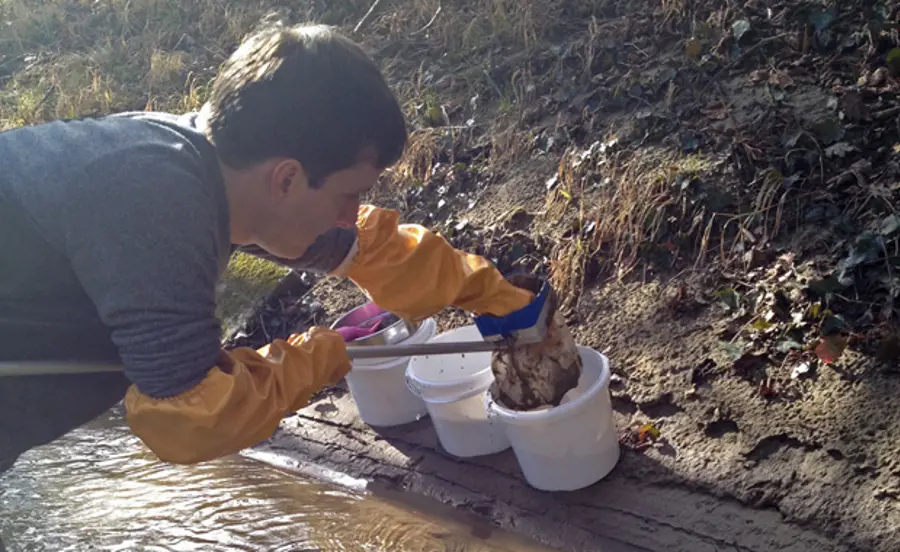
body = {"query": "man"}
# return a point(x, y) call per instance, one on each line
point(114, 231)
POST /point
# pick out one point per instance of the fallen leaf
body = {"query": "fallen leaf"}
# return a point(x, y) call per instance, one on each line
point(780, 79)
point(693, 48)
point(790, 139)
point(734, 351)
point(830, 349)
point(815, 311)
point(800, 370)
point(648, 429)
point(853, 106)
point(762, 324)
point(889, 225)
point(829, 130)
point(728, 296)
point(832, 324)
point(787, 345)
point(839, 150)
point(739, 28)
point(878, 77)
point(826, 286)
point(893, 61)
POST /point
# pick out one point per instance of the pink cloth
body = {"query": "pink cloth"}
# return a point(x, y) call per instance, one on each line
point(352, 333)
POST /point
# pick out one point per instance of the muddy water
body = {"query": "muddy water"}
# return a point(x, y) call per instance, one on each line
point(98, 489)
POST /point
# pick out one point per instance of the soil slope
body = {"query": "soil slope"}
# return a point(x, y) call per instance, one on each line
point(712, 189)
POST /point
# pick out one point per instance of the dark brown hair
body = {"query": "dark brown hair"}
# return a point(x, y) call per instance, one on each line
point(307, 93)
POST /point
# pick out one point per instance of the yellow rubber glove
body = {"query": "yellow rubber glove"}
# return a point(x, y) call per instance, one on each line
point(241, 400)
point(414, 273)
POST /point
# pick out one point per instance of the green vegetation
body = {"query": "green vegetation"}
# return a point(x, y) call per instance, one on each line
point(247, 280)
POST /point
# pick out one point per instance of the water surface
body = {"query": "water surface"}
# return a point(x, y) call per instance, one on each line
point(98, 488)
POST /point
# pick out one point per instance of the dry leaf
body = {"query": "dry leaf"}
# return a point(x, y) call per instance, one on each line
point(693, 48)
point(648, 429)
point(780, 79)
point(830, 349)
point(800, 370)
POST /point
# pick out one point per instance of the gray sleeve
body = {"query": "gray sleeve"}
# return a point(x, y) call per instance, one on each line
point(143, 238)
point(323, 256)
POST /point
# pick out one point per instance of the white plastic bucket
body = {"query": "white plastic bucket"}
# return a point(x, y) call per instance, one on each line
point(570, 446)
point(453, 388)
point(379, 387)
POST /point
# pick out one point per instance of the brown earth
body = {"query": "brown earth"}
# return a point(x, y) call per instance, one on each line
point(712, 189)
point(821, 453)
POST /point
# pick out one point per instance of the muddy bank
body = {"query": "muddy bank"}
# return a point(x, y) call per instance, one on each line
point(711, 188)
point(813, 467)
point(626, 512)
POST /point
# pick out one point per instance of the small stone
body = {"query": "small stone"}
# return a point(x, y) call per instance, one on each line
point(879, 77)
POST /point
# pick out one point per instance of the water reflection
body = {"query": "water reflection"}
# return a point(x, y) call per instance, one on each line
point(98, 489)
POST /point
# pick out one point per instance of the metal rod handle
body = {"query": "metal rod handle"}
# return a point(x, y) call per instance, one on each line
point(52, 368)
point(42, 368)
point(423, 349)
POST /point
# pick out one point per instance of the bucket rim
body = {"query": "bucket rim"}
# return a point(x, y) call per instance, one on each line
point(481, 376)
point(450, 391)
point(558, 412)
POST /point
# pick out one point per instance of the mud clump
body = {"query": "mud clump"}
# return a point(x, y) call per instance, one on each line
point(538, 375)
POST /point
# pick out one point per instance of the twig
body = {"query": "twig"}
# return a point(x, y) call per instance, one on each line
point(885, 113)
point(366, 17)
point(430, 22)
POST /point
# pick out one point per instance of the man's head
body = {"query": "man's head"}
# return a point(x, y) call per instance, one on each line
point(303, 123)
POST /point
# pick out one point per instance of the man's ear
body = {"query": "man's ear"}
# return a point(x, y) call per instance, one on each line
point(288, 176)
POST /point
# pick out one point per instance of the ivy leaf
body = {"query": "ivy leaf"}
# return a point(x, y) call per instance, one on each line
point(826, 286)
point(830, 349)
point(832, 324)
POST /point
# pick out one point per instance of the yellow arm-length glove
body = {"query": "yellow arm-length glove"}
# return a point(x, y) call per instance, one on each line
point(241, 401)
point(415, 273)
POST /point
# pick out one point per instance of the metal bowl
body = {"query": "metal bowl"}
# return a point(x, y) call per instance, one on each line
point(393, 331)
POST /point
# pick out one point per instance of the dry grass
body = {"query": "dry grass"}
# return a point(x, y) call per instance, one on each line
point(468, 73)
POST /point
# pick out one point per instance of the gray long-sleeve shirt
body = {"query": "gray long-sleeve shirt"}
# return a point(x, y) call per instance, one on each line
point(120, 225)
